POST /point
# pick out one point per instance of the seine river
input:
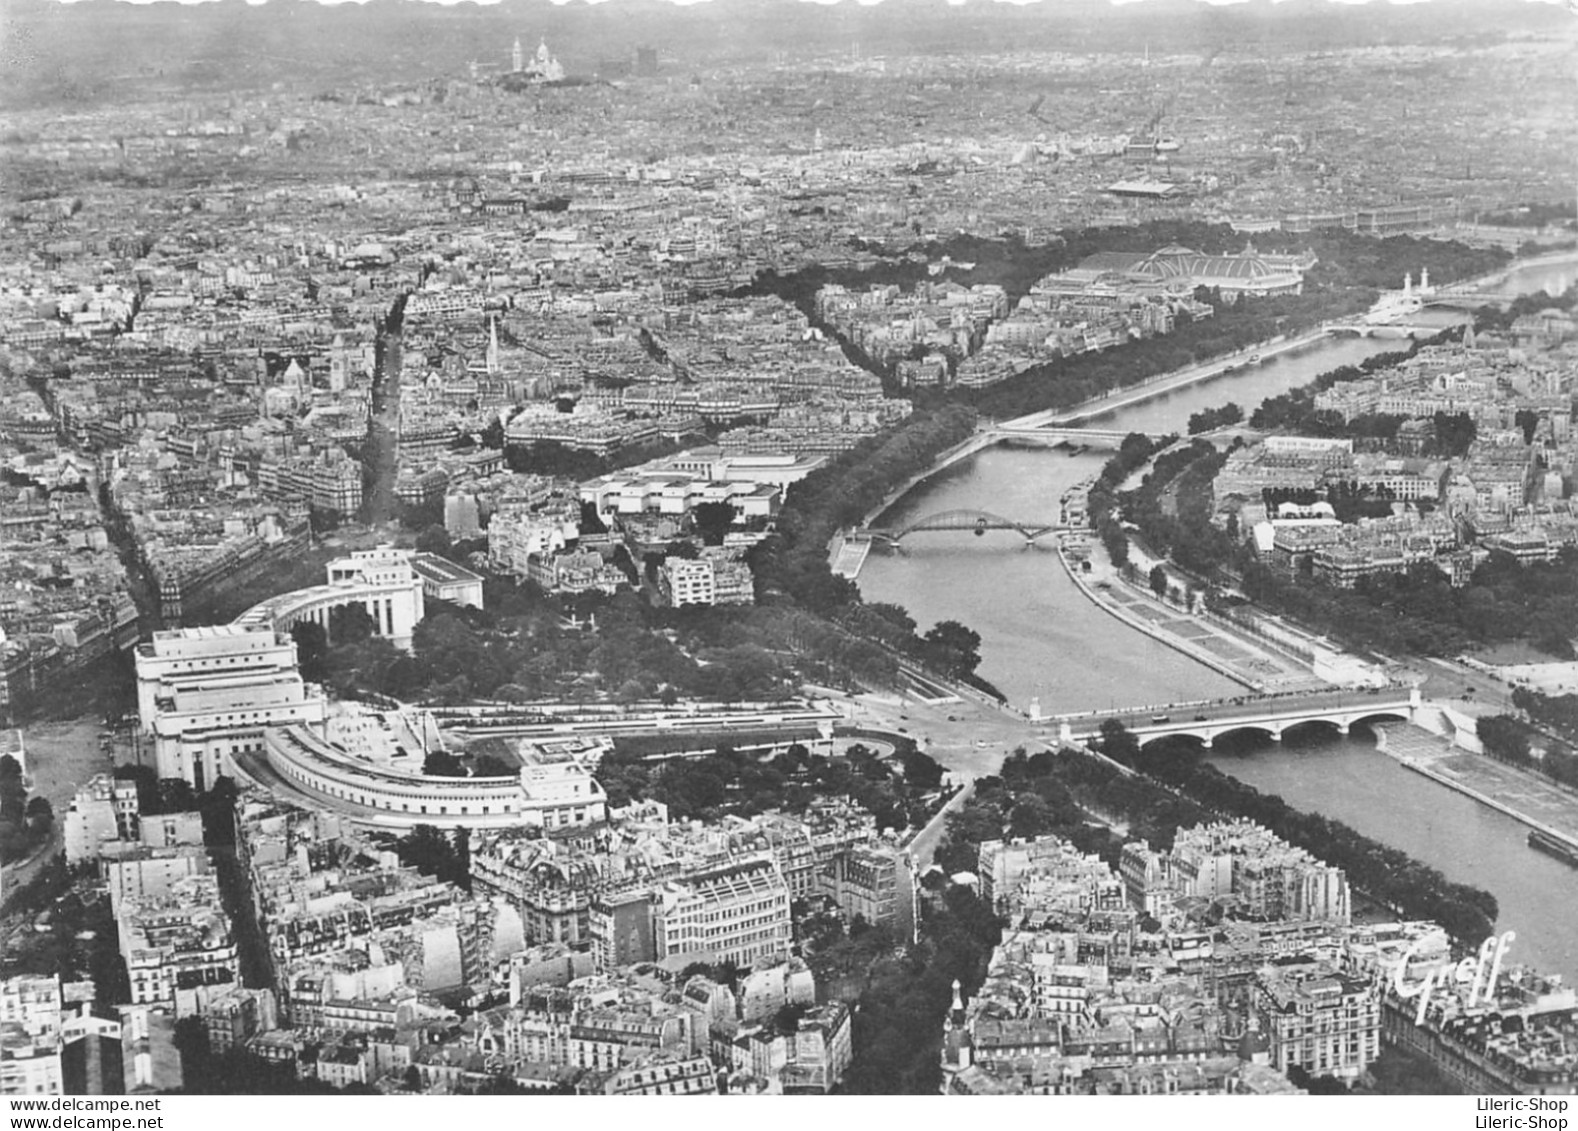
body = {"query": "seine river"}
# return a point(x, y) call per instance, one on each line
point(1042, 639)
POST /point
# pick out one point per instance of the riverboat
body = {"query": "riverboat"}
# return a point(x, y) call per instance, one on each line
point(1553, 846)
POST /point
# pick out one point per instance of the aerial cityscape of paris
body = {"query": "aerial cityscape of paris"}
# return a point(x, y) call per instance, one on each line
point(777, 548)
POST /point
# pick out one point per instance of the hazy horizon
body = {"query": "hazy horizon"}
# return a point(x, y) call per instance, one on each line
point(834, 3)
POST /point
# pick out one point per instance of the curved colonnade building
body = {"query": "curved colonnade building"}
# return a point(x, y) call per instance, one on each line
point(300, 766)
point(391, 596)
point(229, 699)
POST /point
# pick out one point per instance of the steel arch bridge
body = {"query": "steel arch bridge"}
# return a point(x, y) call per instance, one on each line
point(964, 520)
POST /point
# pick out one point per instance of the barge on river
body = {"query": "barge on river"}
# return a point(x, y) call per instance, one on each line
point(1554, 846)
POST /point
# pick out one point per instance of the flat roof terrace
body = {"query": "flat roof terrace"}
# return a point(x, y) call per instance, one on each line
point(431, 567)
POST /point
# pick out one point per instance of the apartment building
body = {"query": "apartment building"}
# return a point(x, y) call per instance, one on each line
point(1319, 1020)
point(178, 941)
point(104, 809)
point(737, 913)
point(872, 883)
point(30, 1037)
point(517, 538)
point(623, 928)
point(151, 874)
point(550, 885)
point(686, 582)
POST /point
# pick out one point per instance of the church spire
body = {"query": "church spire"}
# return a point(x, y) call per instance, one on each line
point(957, 1047)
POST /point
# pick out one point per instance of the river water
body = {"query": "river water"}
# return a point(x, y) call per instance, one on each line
point(1041, 639)
point(1351, 781)
point(1552, 278)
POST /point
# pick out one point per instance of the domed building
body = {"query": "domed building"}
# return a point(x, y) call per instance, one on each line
point(1248, 273)
point(540, 68)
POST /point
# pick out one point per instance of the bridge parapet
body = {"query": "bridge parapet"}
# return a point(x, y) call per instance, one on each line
point(978, 522)
point(1063, 434)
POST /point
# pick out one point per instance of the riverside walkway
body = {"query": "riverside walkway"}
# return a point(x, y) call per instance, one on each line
point(1162, 383)
point(849, 554)
point(1521, 794)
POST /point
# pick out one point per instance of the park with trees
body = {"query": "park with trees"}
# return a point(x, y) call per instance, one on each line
point(1210, 419)
point(1350, 271)
point(900, 792)
point(807, 625)
point(1543, 739)
point(26, 822)
point(524, 647)
point(1420, 611)
point(445, 858)
point(897, 1023)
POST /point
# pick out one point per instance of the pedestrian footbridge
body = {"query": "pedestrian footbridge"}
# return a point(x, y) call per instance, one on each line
point(968, 521)
point(1103, 438)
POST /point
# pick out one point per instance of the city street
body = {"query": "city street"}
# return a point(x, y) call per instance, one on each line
point(968, 737)
point(61, 755)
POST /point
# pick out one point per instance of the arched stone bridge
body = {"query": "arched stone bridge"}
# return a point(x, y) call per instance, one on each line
point(395, 606)
point(1269, 715)
point(963, 520)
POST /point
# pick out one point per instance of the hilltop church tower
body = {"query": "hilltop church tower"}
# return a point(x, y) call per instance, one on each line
point(517, 57)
